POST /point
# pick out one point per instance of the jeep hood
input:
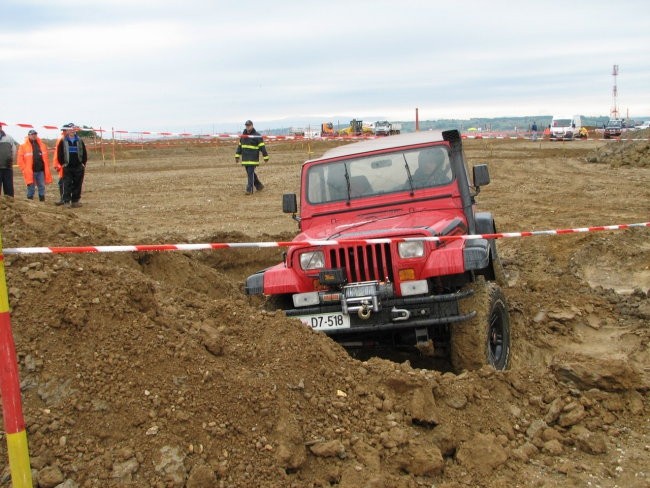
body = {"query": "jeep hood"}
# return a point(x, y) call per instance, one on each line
point(424, 223)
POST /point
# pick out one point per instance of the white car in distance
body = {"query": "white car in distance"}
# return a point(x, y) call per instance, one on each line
point(643, 125)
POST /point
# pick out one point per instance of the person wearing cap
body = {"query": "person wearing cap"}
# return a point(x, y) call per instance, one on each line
point(248, 151)
point(34, 163)
point(72, 156)
point(7, 158)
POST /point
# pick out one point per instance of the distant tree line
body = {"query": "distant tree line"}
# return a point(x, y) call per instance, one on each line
point(485, 124)
point(496, 124)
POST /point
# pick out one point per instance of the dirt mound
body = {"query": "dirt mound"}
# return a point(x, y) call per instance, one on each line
point(632, 153)
point(153, 369)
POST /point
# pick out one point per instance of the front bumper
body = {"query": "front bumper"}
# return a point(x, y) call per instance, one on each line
point(562, 135)
point(395, 313)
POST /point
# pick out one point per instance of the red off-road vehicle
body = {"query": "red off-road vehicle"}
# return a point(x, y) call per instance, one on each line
point(399, 290)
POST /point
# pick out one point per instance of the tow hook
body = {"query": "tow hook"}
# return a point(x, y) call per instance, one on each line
point(400, 314)
point(364, 312)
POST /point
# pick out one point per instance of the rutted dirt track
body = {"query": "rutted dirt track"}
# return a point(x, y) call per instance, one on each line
point(153, 369)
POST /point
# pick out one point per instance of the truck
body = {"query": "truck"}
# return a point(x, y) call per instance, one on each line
point(392, 254)
point(385, 128)
point(565, 127)
point(297, 131)
point(327, 130)
point(614, 128)
point(645, 124)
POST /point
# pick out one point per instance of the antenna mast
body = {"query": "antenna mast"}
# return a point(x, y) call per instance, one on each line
point(613, 113)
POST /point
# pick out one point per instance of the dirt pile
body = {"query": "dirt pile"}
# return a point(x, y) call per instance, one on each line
point(627, 153)
point(153, 369)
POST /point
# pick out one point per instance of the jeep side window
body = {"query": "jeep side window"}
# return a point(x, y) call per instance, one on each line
point(316, 188)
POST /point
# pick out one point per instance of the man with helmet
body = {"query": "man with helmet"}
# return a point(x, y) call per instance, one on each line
point(248, 152)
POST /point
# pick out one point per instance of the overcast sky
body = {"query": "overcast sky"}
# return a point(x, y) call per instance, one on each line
point(207, 66)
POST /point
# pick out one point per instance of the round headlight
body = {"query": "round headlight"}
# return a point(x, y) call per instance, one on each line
point(411, 249)
point(312, 260)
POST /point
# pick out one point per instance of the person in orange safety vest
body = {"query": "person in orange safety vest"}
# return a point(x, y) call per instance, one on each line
point(34, 163)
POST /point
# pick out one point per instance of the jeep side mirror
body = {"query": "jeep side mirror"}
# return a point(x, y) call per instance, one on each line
point(289, 203)
point(481, 175)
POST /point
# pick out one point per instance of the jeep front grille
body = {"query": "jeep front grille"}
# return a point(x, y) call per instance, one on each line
point(366, 262)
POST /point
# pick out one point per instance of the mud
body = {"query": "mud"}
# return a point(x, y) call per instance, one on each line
point(154, 369)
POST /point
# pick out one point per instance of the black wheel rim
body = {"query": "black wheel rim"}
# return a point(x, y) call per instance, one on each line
point(496, 336)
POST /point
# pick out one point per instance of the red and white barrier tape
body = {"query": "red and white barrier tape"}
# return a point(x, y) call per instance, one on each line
point(223, 245)
point(141, 133)
point(115, 131)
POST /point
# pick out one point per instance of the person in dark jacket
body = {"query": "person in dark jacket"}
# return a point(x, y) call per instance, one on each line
point(7, 157)
point(72, 156)
point(248, 151)
point(58, 168)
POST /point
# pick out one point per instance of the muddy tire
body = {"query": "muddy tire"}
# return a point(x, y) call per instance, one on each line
point(484, 339)
point(499, 272)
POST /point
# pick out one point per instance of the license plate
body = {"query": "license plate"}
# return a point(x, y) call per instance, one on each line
point(326, 321)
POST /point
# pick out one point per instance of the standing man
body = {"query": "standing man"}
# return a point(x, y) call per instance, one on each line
point(533, 129)
point(7, 158)
point(59, 168)
point(250, 146)
point(35, 165)
point(72, 155)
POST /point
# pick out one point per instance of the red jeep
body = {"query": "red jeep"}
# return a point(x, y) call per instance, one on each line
point(381, 283)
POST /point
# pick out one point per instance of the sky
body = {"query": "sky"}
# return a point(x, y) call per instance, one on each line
point(206, 66)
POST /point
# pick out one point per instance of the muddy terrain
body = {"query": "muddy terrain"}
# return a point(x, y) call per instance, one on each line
point(155, 370)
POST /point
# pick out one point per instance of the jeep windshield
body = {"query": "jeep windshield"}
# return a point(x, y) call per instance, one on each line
point(378, 175)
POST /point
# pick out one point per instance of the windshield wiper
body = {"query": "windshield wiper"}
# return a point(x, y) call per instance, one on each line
point(408, 172)
point(347, 181)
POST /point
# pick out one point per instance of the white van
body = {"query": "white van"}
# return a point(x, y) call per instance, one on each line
point(643, 125)
point(565, 127)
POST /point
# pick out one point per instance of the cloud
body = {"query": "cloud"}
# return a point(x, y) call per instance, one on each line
point(151, 64)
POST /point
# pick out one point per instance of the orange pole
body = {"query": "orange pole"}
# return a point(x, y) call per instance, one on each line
point(417, 120)
point(113, 146)
point(101, 144)
point(12, 411)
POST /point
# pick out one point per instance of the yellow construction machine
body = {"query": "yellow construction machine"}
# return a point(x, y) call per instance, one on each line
point(327, 130)
point(356, 128)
